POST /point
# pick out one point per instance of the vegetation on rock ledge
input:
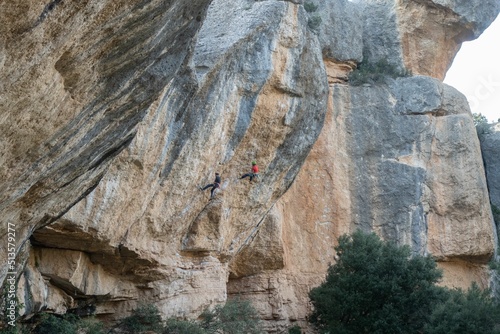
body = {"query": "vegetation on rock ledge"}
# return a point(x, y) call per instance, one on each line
point(375, 72)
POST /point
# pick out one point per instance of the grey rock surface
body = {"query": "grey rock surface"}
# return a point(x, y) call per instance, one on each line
point(477, 14)
point(341, 29)
point(406, 34)
point(114, 112)
point(381, 33)
point(490, 147)
point(83, 79)
point(258, 92)
point(420, 160)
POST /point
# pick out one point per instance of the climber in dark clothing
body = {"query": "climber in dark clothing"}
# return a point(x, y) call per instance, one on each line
point(254, 173)
point(214, 185)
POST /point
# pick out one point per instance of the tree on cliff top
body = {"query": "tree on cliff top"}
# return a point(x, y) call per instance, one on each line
point(481, 124)
point(376, 287)
point(479, 119)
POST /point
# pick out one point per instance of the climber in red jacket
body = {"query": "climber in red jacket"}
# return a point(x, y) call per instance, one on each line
point(254, 173)
point(214, 185)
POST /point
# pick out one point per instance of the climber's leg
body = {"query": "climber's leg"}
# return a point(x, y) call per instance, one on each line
point(207, 186)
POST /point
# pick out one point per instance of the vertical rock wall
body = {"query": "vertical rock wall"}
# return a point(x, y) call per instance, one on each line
point(399, 158)
point(257, 92)
point(490, 144)
point(409, 170)
point(490, 140)
point(115, 114)
point(77, 79)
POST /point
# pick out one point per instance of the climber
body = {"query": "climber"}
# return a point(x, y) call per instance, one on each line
point(254, 173)
point(214, 185)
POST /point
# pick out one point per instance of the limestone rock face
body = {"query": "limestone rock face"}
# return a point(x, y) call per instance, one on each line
point(77, 78)
point(402, 160)
point(410, 33)
point(490, 146)
point(257, 92)
point(116, 114)
point(341, 29)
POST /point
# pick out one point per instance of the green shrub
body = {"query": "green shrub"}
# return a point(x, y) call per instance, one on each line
point(310, 7)
point(236, 316)
point(144, 318)
point(174, 326)
point(68, 324)
point(375, 287)
point(481, 124)
point(9, 330)
point(91, 326)
point(50, 324)
point(473, 312)
point(479, 119)
point(17, 329)
point(294, 330)
point(314, 23)
point(377, 72)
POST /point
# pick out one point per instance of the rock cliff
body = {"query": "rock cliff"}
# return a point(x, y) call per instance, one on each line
point(489, 135)
point(490, 145)
point(115, 114)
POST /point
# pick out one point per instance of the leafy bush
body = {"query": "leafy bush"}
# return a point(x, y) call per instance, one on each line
point(236, 316)
point(294, 330)
point(479, 119)
point(310, 7)
point(17, 329)
point(314, 22)
point(473, 312)
point(144, 318)
point(182, 327)
point(481, 124)
point(368, 72)
point(91, 326)
point(50, 324)
point(68, 324)
point(375, 287)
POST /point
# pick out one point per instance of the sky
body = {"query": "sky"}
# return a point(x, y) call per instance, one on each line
point(476, 72)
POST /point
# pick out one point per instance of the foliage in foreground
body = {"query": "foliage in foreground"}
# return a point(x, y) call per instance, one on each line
point(378, 287)
point(47, 323)
point(295, 330)
point(146, 317)
point(471, 312)
point(174, 326)
point(236, 316)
